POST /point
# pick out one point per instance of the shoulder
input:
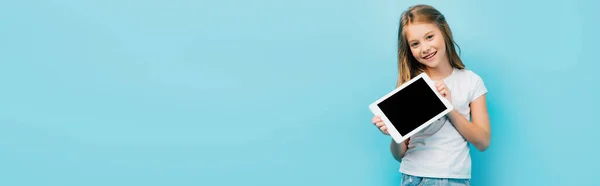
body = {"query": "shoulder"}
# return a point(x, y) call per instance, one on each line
point(468, 76)
point(472, 82)
point(466, 72)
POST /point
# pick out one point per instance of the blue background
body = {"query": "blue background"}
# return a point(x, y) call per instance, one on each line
point(261, 92)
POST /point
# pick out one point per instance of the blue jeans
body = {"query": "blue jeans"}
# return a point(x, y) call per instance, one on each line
point(409, 180)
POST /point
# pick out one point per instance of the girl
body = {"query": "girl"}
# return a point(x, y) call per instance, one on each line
point(439, 154)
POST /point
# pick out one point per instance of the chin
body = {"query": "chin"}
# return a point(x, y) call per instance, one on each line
point(431, 64)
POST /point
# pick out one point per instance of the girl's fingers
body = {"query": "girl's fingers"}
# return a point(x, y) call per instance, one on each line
point(376, 119)
point(384, 130)
point(441, 87)
point(444, 92)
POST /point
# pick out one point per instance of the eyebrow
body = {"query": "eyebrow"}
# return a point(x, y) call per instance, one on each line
point(425, 35)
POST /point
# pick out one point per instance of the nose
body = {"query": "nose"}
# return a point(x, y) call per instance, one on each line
point(426, 48)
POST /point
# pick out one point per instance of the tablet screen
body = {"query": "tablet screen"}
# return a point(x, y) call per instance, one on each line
point(412, 106)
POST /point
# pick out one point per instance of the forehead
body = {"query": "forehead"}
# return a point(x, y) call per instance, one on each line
point(418, 30)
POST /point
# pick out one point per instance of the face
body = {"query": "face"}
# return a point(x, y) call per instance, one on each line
point(427, 44)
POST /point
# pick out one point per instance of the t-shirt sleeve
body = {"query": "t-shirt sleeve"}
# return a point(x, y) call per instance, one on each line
point(477, 87)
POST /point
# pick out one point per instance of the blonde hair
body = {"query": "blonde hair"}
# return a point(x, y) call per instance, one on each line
point(408, 66)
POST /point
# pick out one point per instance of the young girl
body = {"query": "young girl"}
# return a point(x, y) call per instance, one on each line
point(439, 154)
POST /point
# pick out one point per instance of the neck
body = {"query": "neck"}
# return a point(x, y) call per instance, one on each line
point(440, 72)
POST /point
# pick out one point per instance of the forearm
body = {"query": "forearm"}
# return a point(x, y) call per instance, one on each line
point(398, 150)
point(475, 134)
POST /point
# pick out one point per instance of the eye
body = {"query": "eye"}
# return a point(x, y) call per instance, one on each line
point(414, 44)
point(430, 37)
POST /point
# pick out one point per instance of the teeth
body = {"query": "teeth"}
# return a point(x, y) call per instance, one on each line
point(429, 56)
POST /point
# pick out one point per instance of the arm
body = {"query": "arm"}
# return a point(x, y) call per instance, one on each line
point(398, 150)
point(477, 132)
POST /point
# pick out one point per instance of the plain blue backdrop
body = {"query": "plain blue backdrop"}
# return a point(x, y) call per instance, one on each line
point(262, 92)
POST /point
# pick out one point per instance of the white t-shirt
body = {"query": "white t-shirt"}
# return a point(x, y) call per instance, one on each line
point(440, 150)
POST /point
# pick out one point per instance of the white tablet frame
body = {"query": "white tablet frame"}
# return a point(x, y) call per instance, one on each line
point(398, 138)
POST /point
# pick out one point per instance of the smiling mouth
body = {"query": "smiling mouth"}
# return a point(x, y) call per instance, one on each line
point(430, 55)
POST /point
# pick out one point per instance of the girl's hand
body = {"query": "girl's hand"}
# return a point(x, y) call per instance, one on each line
point(442, 89)
point(380, 125)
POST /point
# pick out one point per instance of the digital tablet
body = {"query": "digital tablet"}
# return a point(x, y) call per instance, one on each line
point(411, 107)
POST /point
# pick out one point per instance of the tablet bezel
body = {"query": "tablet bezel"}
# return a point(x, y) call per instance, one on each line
point(398, 138)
